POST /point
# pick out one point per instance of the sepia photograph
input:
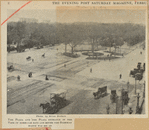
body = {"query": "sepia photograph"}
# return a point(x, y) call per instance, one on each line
point(77, 60)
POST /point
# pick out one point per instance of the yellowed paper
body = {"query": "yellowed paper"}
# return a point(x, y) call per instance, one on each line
point(64, 62)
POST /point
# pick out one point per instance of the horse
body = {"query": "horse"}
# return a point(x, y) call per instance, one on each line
point(28, 58)
point(131, 73)
point(44, 106)
point(95, 94)
point(10, 68)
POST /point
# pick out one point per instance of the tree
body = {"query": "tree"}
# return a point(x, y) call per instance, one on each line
point(93, 34)
point(20, 31)
point(74, 33)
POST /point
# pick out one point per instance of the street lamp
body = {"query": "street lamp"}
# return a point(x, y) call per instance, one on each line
point(135, 83)
point(128, 86)
point(144, 90)
point(130, 108)
point(138, 96)
point(122, 112)
point(118, 99)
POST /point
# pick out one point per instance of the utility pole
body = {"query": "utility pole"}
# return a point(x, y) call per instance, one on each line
point(137, 107)
point(135, 85)
point(144, 90)
point(128, 87)
point(122, 101)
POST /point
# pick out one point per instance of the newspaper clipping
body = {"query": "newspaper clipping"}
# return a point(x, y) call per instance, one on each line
point(63, 60)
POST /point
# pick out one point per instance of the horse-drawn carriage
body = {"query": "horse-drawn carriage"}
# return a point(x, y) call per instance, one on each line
point(28, 58)
point(138, 76)
point(11, 48)
point(57, 101)
point(10, 68)
point(125, 97)
point(101, 92)
point(133, 72)
point(113, 96)
point(138, 72)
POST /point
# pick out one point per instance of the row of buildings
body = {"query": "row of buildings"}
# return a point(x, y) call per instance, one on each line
point(33, 20)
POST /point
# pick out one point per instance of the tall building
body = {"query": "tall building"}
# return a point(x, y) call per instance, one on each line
point(46, 21)
point(28, 20)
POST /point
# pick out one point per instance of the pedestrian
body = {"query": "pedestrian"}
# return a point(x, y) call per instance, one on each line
point(30, 74)
point(64, 65)
point(90, 70)
point(144, 66)
point(32, 60)
point(130, 110)
point(141, 52)
point(120, 76)
point(43, 55)
point(18, 77)
point(46, 77)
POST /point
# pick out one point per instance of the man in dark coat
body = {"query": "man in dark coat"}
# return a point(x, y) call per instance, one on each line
point(120, 76)
point(30, 74)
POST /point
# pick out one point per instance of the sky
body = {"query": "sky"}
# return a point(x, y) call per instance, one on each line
point(69, 15)
point(39, 14)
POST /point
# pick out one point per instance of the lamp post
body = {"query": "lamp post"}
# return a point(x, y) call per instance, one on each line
point(135, 83)
point(130, 108)
point(118, 101)
point(116, 104)
point(122, 112)
point(128, 86)
point(138, 96)
point(144, 90)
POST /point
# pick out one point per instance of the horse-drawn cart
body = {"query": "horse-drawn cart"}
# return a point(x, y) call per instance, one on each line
point(28, 58)
point(10, 68)
point(101, 92)
point(58, 98)
point(113, 96)
point(57, 101)
point(138, 71)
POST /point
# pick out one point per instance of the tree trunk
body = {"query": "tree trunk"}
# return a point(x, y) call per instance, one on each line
point(97, 46)
point(65, 47)
point(72, 50)
point(97, 43)
point(93, 46)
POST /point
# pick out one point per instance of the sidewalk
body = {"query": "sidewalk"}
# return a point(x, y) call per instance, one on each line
point(133, 100)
